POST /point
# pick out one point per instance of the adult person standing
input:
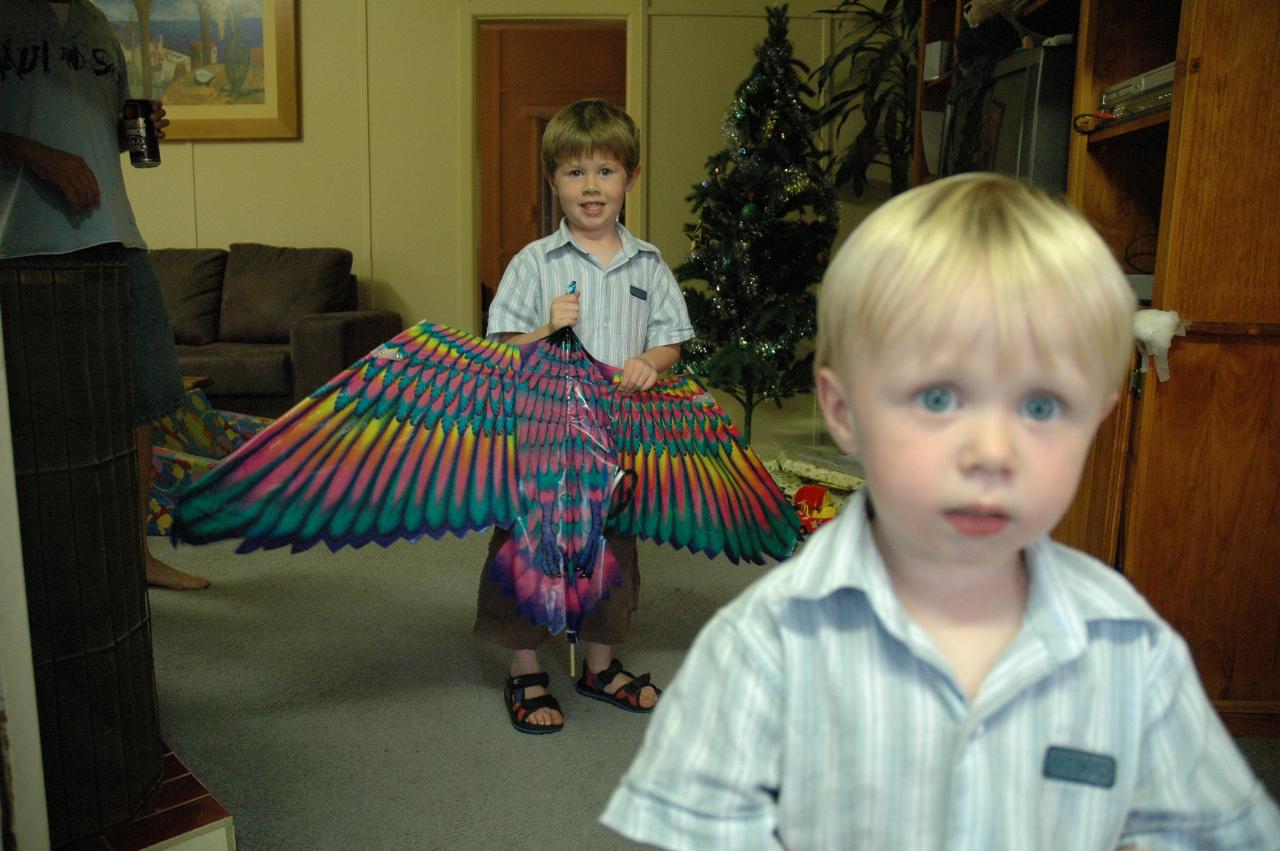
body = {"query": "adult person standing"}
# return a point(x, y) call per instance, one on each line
point(63, 85)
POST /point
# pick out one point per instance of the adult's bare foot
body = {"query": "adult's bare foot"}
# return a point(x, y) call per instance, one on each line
point(168, 576)
point(158, 573)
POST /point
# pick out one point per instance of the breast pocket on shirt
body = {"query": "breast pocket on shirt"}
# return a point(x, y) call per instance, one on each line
point(639, 309)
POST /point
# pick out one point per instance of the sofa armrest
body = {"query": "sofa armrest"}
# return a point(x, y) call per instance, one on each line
point(323, 344)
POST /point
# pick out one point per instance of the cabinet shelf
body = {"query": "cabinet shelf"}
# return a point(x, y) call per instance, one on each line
point(941, 81)
point(1033, 7)
point(1133, 125)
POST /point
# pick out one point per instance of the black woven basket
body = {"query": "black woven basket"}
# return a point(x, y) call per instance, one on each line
point(66, 348)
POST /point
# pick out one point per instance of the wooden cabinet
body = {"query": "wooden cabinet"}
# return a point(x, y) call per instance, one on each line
point(1182, 489)
point(1200, 523)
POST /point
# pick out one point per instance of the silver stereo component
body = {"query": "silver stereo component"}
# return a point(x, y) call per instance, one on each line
point(1146, 92)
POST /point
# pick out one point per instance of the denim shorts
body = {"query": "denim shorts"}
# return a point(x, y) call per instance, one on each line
point(157, 379)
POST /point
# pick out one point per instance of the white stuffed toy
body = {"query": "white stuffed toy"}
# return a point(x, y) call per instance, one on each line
point(977, 11)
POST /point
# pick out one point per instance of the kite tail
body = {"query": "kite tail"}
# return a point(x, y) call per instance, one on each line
point(554, 601)
point(584, 593)
point(539, 597)
point(548, 558)
point(584, 562)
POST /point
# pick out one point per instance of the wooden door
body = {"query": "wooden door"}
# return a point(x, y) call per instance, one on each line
point(527, 71)
point(1202, 535)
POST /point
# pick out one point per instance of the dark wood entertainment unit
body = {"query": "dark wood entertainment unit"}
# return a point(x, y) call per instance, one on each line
point(1182, 490)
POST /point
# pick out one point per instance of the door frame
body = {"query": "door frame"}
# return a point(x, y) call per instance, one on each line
point(632, 12)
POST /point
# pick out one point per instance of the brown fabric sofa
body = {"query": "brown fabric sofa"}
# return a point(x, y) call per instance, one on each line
point(266, 324)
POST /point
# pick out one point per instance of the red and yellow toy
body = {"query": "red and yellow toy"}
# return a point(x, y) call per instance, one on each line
point(814, 506)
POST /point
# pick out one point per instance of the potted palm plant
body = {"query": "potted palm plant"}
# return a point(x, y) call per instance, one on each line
point(871, 72)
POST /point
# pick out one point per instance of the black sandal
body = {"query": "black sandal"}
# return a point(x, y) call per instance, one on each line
point(518, 708)
point(627, 695)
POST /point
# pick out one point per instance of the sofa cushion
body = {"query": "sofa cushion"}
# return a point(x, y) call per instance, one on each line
point(267, 289)
point(241, 369)
point(191, 281)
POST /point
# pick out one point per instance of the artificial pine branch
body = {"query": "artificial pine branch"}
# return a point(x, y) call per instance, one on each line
point(767, 218)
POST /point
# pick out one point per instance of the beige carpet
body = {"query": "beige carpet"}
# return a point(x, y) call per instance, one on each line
point(338, 700)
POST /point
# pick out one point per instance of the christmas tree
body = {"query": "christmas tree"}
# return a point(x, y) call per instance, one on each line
point(766, 222)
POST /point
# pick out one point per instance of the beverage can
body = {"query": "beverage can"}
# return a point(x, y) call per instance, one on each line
point(140, 134)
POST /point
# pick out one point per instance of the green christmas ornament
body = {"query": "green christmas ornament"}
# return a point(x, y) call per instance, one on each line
point(749, 211)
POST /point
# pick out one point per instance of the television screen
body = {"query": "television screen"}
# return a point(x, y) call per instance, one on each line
point(1017, 122)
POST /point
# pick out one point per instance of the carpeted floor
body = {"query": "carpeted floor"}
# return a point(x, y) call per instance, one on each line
point(339, 701)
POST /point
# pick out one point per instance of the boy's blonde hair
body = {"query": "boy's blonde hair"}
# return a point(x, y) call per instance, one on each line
point(591, 125)
point(970, 252)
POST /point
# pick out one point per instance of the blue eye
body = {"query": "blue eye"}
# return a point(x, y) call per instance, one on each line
point(937, 400)
point(1041, 408)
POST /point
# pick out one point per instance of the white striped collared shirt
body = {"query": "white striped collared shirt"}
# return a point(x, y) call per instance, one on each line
point(623, 311)
point(812, 713)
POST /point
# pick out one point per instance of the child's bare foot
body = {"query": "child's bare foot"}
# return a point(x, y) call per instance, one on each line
point(648, 696)
point(529, 706)
point(546, 716)
point(168, 576)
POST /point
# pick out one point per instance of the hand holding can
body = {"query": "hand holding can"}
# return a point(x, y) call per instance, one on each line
point(140, 134)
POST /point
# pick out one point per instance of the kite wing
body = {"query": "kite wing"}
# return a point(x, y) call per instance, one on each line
point(417, 437)
point(693, 481)
point(441, 431)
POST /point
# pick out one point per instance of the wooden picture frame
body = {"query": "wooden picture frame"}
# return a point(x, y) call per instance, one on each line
point(231, 72)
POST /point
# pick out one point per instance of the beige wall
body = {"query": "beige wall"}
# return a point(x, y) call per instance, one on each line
point(314, 191)
point(705, 57)
point(385, 165)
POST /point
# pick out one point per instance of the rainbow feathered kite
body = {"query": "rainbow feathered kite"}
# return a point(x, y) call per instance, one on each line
point(440, 431)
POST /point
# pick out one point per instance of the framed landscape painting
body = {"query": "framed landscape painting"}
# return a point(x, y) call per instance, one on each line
point(225, 69)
